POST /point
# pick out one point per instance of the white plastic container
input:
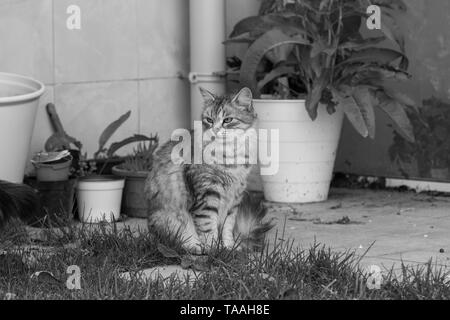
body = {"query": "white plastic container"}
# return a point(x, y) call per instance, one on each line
point(307, 150)
point(99, 198)
point(19, 99)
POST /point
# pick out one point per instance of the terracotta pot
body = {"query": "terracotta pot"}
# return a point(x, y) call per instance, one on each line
point(134, 203)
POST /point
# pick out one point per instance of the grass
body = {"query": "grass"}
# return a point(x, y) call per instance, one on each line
point(280, 271)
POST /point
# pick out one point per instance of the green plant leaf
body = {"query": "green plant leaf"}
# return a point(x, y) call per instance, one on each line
point(352, 112)
point(315, 93)
point(250, 24)
point(373, 55)
point(364, 99)
point(274, 74)
point(402, 98)
point(110, 130)
point(396, 111)
point(361, 43)
point(258, 25)
point(257, 51)
point(136, 138)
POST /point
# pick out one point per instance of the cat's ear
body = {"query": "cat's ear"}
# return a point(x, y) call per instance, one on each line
point(244, 99)
point(207, 96)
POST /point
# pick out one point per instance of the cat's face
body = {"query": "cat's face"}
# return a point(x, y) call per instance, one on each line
point(223, 115)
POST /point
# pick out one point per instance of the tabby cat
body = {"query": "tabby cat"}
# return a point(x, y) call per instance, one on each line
point(207, 204)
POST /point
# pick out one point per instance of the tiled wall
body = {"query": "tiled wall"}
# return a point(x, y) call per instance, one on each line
point(127, 56)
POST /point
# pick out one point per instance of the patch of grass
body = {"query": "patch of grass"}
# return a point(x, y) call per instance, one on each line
point(280, 271)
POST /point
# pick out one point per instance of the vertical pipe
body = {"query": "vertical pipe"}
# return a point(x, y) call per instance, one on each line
point(207, 32)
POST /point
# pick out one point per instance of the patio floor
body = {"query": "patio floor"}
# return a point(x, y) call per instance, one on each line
point(402, 226)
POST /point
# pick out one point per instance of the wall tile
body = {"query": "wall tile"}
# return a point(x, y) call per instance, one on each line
point(163, 36)
point(105, 48)
point(87, 109)
point(26, 38)
point(164, 106)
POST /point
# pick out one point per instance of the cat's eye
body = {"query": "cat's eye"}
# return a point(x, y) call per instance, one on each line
point(209, 120)
point(227, 120)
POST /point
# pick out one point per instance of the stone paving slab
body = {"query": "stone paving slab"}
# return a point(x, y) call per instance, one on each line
point(402, 225)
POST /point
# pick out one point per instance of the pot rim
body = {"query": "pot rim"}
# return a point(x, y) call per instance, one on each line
point(101, 178)
point(280, 100)
point(21, 81)
point(117, 171)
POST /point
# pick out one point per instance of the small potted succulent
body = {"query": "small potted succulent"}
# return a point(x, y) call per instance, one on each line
point(135, 169)
point(99, 193)
point(308, 64)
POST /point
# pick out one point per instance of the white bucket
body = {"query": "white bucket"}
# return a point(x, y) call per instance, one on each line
point(19, 98)
point(307, 150)
point(99, 198)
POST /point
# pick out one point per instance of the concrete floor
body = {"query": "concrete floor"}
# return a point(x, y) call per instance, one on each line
point(403, 226)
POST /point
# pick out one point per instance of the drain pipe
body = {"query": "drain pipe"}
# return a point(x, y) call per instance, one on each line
point(207, 32)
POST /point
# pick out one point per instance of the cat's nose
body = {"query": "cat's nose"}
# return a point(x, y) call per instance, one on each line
point(216, 130)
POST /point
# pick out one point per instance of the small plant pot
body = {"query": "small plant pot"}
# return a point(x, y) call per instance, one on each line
point(133, 203)
point(53, 171)
point(99, 198)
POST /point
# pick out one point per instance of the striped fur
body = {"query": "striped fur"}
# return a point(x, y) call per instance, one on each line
point(18, 200)
point(204, 202)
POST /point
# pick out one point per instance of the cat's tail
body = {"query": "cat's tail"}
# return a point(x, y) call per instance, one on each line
point(250, 229)
point(17, 200)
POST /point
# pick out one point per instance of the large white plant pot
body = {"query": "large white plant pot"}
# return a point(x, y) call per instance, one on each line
point(99, 198)
point(19, 98)
point(307, 150)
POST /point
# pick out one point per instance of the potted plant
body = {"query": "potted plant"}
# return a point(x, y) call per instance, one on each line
point(52, 166)
point(100, 195)
point(431, 151)
point(309, 60)
point(98, 192)
point(135, 169)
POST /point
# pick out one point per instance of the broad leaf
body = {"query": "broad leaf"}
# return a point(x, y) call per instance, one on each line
point(364, 99)
point(110, 130)
point(315, 94)
point(136, 138)
point(274, 74)
point(257, 51)
point(373, 55)
point(352, 112)
point(395, 110)
point(402, 98)
point(361, 43)
point(250, 24)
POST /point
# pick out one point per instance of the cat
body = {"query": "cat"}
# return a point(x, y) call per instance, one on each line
point(18, 200)
point(207, 204)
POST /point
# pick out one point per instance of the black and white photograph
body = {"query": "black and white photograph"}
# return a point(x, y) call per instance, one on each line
point(225, 155)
